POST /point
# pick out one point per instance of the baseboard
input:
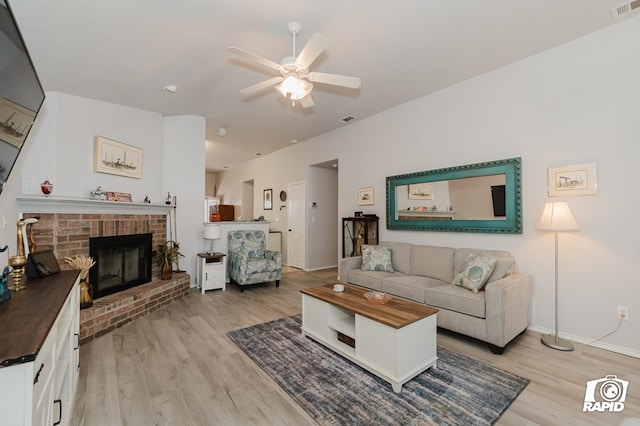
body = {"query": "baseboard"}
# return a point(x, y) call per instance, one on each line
point(321, 268)
point(585, 341)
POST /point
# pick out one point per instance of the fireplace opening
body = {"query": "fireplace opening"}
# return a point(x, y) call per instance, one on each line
point(122, 262)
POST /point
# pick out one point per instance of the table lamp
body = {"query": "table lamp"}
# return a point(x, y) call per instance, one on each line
point(211, 233)
point(557, 217)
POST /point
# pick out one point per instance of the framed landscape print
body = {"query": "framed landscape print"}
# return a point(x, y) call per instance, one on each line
point(567, 181)
point(15, 122)
point(117, 158)
point(421, 191)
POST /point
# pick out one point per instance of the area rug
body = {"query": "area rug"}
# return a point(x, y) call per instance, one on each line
point(334, 391)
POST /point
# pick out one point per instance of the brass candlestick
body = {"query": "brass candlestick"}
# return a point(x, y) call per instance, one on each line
point(17, 263)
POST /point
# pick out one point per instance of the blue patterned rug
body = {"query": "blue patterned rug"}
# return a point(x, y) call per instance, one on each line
point(334, 391)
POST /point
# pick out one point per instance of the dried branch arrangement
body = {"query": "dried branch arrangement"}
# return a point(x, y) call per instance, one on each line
point(82, 262)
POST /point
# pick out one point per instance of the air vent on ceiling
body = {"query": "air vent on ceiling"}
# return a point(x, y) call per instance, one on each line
point(349, 118)
point(623, 9)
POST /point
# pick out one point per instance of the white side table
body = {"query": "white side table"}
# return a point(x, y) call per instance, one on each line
point(212, 270)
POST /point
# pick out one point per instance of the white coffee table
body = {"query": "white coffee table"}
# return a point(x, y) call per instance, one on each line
point(396, 341)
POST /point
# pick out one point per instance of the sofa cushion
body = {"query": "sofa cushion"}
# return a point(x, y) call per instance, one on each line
point(369, 279)
point(410, 287)
point(474, 272)
point(400, 255)
point(433, 262)
point(505, 264)
point(376, 258)
point(504, 267)
point(457, 299)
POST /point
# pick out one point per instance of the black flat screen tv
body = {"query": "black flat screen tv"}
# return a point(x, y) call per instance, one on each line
point(21, 93)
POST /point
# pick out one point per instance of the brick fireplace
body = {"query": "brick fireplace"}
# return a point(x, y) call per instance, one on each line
point(68, 234)
point(66, 225)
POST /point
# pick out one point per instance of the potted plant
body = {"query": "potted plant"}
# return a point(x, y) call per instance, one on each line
point(165, 256)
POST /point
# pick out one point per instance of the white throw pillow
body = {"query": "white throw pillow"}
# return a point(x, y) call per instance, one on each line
point(474, 272)
point(376, 258)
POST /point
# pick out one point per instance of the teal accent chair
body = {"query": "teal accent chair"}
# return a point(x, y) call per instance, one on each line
point(249, 260)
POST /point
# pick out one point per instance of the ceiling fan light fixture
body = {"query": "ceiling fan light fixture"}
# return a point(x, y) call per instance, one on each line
point(295, 87)
point(288, 85)
point(295, 80)
point(302, 90)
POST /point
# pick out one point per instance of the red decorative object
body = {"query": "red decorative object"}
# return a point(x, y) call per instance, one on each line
point(46, 187)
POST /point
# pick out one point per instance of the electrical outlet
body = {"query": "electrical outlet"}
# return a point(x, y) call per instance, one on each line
point(623, 313)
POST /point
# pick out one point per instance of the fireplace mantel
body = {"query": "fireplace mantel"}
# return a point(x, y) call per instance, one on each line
point(42, 204)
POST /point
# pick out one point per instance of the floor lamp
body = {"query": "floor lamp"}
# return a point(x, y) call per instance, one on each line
point(557, 217)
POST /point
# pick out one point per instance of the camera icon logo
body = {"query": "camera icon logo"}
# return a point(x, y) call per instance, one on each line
point(605, 394)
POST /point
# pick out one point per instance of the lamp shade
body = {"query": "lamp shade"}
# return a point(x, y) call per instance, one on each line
point(211, 232)
point(557, 217)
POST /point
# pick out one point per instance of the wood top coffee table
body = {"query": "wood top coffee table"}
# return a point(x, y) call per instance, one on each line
point(395, 341)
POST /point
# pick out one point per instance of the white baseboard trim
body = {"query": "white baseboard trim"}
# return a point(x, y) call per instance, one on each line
point(578, 339)
point(321, 268)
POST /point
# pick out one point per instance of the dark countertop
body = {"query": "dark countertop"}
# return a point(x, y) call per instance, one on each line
point(26, 318)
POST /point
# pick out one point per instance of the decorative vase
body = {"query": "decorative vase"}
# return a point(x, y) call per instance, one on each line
point(166, 271)
point(86, 301)
point(46, 187)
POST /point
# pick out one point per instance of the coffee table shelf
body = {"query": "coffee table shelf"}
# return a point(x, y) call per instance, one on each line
point(396, 341)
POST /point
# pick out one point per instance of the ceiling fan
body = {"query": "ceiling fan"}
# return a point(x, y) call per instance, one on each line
point(295, 80)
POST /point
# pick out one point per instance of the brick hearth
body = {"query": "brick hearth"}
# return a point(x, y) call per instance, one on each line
point(116, 310)
point(68, 234)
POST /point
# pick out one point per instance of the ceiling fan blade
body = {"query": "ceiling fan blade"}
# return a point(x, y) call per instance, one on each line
point(307, 102)
point(254, 57)
point(335, 79)
point(312, 50)
point(262, 85)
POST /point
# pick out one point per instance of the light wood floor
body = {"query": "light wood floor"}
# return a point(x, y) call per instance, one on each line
point(177, 367)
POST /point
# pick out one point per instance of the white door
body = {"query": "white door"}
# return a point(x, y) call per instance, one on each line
point(296, 225)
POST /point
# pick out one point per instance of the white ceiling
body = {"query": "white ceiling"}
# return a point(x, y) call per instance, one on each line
point(126, 51)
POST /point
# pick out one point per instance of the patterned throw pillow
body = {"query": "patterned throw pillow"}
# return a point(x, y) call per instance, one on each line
point(376, 258)
point(474, 272)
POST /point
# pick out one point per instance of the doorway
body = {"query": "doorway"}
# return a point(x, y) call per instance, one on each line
point(246, 208)
point(296, 236)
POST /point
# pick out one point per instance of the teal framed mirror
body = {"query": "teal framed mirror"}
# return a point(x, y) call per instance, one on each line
point(482, 197)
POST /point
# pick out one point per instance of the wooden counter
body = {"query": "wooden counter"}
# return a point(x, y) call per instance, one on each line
point(27, 317)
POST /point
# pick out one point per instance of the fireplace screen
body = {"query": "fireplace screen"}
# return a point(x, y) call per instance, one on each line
point(121, 262)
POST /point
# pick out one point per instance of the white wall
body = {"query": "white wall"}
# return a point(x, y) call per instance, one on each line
point(573, 104)
point(63, 151)
point(183, 170)
point(60, 148)
point(210, 184)
point(322, 246)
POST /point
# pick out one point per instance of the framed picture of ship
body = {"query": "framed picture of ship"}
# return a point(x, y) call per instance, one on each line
point(421, 191)
point(15, 122)
point(117, 158)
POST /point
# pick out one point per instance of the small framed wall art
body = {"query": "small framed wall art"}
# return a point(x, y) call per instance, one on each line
point(421, 191)
point(117, 158)
point(568, 181)
point(267, 199)
point(15, 121)
point(366, 196)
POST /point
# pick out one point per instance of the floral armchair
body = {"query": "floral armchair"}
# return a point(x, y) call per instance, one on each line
point(249, 260)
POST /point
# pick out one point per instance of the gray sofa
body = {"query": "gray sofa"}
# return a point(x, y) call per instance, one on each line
point(496, 314)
